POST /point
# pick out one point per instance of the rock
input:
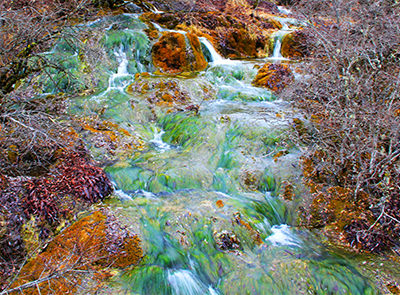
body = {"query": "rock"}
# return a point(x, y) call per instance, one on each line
point(132, 8)
point(294, 45)
point(274, 77)
point(90, 245)
point(236, 35)
point(227, 240)
point(175, 53)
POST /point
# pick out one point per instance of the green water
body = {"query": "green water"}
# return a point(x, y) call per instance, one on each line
point(202, 191)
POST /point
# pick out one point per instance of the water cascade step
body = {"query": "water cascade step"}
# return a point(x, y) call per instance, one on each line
point(216, 58)
point(202, 183)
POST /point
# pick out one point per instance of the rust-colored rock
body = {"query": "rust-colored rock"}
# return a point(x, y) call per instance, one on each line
point(237, 33)
point(274, 77)
point(241, 44)
point(176, 53)
point(195, 56)
point(88, 246)
point(294, 45)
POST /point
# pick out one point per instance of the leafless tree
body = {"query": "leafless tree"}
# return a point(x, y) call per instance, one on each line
point(350, 96)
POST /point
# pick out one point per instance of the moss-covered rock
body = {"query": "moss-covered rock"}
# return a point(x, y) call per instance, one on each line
point(274, 77)
point(108, 141)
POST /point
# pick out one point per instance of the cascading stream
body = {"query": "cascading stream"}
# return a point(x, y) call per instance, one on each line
point(202, 191)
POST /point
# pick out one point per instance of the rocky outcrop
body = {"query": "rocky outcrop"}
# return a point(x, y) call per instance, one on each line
point(274, 77)
point(294, 45)
point(176, 53)
point(236, 34)
point(89, 246)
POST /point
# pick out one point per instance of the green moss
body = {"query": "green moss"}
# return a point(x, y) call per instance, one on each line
point(180, 129)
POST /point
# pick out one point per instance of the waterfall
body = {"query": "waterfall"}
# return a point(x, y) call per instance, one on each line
point(276, 54)
point(119, 80)
point(277, 50)
point(122, 60)
point(216, 58)
point(122, 78)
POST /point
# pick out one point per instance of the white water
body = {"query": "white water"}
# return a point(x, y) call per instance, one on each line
point(161, 29)
point(284, 10)
point(278, 36)
point(158, 27)
point(156, 11)
point(119, 80)
point(282, 236)
point(217, 59)
point(285, 27)
point(146, 194)
point(158, 142)
point(277, 50)
point(123, 61)
point(221, 194)
point(212, 291)
point(122, 196)
point(183, 282)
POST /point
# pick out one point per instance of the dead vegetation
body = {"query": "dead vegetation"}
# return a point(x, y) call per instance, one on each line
point(350, 96)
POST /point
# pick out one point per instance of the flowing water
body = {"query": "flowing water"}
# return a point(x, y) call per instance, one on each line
point(203, 190)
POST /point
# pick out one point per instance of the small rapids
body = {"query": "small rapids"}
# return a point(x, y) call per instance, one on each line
point(200, 164)
point(281, 235)
point(157, 141)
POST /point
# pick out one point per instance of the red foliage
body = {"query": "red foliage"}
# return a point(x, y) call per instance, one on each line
point(75, 177)
point(59, 194)
point(41, 199)
point(83, 180)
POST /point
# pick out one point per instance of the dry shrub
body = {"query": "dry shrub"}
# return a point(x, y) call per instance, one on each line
point(45, 174)
point(27, 29)
point(30, 141)
point(350, 97)
point(50, 199)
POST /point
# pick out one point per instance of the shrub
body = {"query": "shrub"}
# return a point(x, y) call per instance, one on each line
point(351, 100)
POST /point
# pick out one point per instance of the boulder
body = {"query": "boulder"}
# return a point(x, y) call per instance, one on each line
point(294, 45)
point(176, 53)
point(274, 77)
point(93, 244)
